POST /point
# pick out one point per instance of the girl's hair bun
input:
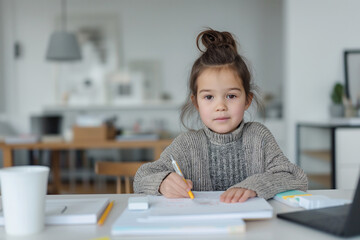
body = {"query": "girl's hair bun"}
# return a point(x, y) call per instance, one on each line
point(215, 39)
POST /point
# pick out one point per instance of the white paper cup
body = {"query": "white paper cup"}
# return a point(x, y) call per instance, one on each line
point(23, 191)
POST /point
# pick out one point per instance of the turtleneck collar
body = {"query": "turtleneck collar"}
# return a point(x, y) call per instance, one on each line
point(219, 138)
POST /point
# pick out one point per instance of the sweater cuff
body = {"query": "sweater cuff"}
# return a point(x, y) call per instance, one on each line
point(152, 187)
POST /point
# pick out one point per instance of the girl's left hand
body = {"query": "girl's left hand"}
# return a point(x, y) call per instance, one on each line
point(234, 195)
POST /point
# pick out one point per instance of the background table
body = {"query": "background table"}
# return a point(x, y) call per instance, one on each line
point(55, 148)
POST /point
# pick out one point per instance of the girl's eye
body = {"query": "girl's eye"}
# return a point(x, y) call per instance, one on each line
point(208, 97)
point(231, 96)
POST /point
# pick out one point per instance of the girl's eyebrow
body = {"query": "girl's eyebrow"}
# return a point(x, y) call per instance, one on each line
point(229, 89)
point(204, 90)
point(237, 89)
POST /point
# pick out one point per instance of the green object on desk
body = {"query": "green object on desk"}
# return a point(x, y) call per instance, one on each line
point(288, 197)
point(291, 193)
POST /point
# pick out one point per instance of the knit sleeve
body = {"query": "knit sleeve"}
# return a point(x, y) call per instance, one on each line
point(279, 175)
point(150, 175)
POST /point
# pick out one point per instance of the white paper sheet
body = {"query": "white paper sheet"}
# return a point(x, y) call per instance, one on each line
point(206, 205)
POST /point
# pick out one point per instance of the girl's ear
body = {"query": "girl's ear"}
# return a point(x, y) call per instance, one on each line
point(249, 100)
point(193, 100)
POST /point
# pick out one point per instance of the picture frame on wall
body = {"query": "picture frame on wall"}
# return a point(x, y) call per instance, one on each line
point(352, 76)
point(125, 88)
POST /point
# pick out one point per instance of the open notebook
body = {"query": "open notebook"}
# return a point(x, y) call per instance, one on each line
point(204, 214)
point(72, 211)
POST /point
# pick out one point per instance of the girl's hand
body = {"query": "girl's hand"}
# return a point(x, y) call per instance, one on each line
point(174, 186)
point(234, 195)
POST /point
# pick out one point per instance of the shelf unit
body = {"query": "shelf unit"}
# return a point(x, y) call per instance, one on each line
point(324, 150)
point(324, 155)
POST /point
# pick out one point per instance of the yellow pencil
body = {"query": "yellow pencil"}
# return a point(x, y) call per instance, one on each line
point(106, 213)
point(178, 171)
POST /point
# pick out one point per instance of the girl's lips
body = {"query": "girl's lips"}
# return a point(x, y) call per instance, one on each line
point(222, 118)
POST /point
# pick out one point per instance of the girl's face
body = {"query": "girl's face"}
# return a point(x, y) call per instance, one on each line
point(221, 99)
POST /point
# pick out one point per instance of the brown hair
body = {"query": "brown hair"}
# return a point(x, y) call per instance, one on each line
point(220, 50)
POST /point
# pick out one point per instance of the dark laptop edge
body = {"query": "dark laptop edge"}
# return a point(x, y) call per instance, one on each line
point(350, 227)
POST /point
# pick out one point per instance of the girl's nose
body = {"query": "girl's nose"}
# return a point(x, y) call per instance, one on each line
point(221, 106)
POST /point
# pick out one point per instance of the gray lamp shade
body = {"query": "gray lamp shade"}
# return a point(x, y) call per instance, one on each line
point(63, 46)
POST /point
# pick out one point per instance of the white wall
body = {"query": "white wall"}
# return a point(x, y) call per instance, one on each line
point(7, 61)
point(156, 29)
point(2, 83)
point(316, 33)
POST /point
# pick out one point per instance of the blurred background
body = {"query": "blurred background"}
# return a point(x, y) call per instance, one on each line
point(135, 61)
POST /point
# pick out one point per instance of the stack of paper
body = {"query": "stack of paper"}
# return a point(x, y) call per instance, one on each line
point(138, 137)
point(204, 214)
point(128, 224)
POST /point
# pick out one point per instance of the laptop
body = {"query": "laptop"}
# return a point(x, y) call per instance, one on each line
point(342, 220)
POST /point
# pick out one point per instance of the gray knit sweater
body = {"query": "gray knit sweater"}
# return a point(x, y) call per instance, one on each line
point(248, 157)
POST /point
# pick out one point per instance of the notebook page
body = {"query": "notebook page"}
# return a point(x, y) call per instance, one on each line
point(205, 205)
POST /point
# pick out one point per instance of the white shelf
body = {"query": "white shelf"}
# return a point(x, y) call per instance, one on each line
point(143, 106)
point(333, 122)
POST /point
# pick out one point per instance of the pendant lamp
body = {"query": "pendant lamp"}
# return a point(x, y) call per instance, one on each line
point(63, 46)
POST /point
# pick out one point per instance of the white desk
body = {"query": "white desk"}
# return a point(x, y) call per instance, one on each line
point(274, 228)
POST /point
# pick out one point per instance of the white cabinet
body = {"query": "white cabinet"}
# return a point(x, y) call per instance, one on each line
point(329, 154)
point(347, 155)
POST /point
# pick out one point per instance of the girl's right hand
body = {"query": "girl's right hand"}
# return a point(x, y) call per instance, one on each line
point(174, 186)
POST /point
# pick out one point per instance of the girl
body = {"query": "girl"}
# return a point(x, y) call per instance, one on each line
point(227, 154)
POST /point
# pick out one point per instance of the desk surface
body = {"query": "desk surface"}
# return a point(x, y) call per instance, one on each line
point(274, 228)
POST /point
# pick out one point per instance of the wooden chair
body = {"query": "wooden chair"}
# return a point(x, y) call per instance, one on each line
point(118, 169)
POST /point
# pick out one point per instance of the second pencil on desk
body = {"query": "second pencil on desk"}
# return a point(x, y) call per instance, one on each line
point(178, 171)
